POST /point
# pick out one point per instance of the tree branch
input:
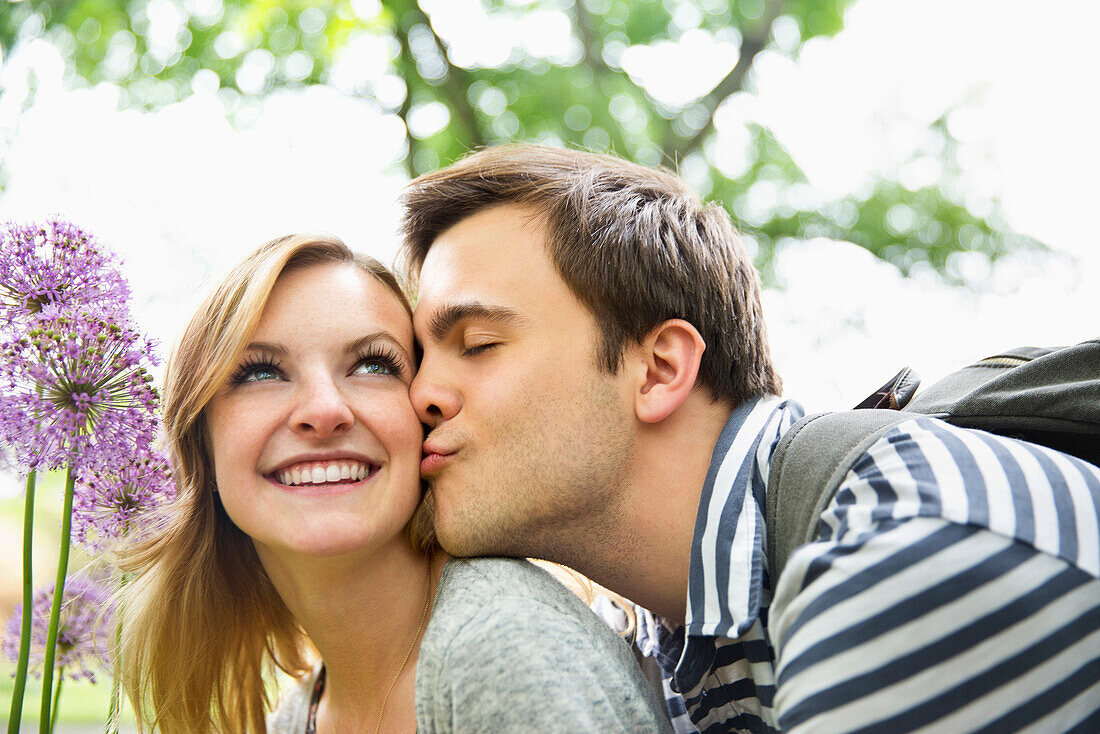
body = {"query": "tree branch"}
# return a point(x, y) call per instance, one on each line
point(407, 62)
point(455, 84)
point(592, 57)
point(751, 46)
point(591, 47)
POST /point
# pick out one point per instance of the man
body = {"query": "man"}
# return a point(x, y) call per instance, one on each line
point(598, 387)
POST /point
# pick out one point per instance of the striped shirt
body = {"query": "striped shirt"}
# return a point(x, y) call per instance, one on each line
point(953, 587)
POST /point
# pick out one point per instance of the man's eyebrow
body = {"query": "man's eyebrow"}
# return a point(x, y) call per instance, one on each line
point(446, 317)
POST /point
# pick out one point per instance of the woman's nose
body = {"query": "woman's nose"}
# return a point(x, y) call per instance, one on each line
point(322, 410)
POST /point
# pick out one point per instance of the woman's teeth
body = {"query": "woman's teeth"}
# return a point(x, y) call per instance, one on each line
point(323, 472)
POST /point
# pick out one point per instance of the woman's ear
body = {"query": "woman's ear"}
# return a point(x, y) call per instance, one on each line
point(670, 355)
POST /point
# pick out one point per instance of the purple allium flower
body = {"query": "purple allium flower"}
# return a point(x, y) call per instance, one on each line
point(97, 402)
point(8, 464)
point(84, 629)
point(54, 263)
point(109, 503)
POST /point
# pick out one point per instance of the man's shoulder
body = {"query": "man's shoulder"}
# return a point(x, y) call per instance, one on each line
point(930, 448)
point(925, 467)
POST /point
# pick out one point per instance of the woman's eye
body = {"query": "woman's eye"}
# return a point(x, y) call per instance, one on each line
point(379, 360)
point(256, 372)
point(374, 367)
point(259, 374)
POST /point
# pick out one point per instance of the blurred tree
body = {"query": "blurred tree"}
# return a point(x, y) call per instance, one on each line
point(410, 59)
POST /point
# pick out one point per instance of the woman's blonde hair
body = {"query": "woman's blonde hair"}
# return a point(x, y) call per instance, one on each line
point(201, 625)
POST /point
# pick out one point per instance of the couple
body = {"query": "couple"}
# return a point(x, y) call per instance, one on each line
point(597, 389)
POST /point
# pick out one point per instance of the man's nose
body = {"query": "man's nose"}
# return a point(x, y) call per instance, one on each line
point(434, 397)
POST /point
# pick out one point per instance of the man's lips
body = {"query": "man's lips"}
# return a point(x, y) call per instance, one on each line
point(434, 461)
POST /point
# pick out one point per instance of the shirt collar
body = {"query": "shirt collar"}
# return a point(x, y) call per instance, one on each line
point(726, 576)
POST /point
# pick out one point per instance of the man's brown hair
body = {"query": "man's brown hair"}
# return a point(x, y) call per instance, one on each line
point(633, 244)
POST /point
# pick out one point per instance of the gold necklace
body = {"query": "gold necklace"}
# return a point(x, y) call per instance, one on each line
point(419, 629)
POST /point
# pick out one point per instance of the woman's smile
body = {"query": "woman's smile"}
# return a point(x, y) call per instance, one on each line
point(346, 471)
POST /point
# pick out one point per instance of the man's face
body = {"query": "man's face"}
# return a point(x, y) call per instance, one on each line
point(529, 440)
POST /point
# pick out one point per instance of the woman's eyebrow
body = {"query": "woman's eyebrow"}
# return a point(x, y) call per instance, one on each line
point(360, 344)
point(447, 317)
point(267, 347)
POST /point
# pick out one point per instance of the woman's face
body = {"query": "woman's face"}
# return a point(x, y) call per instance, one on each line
point(316, 447)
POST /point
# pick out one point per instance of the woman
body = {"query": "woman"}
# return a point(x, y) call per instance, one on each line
point(301, 525)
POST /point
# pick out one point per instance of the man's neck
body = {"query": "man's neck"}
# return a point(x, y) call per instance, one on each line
point(646, 554)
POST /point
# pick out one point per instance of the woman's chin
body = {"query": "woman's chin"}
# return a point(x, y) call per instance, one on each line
point(327, 545)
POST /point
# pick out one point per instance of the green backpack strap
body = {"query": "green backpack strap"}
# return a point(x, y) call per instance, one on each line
point(1046, 396)
point(806, 469)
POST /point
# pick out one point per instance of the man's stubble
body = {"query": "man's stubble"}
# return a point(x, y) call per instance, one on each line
point(547, 483)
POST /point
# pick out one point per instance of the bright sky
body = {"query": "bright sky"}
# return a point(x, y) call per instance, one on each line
point(181, 195)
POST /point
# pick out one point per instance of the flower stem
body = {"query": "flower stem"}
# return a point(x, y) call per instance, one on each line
point(55, 608)
point(114, 710)
point(16, 713)
point(57, 697)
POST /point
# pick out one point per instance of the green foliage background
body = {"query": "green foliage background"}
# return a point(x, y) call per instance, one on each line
point(587, 100)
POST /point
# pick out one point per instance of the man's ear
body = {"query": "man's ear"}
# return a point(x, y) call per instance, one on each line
point(670, 356)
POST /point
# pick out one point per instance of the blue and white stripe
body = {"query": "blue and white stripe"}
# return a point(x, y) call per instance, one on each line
point(954, 586)
point(730, 522)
